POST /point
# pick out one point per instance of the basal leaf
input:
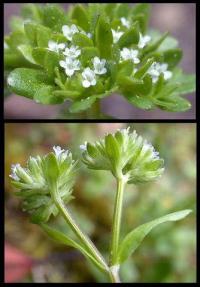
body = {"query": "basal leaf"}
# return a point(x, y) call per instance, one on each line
point(140, 102)
point(43, 36)
point(54, 17)
point(26, 82)
point(26, 51)
point(80, 15)
point(82, 40)
point(129, 37)
point(172, 57)
point(30, 29)
point(132, 241)
point(46, 96)
point(104, 38)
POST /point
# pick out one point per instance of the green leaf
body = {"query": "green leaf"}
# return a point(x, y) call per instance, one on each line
point(131, 242)
point(30, 29)
point(26, 82)
point(26, 51)
point(32, 11)
point(155, 45)
point(85, 104)
point(43, 36)
point(51, 61)
point(38, 55)
point(172, 57)
point(87, 53)
point(46, 96)
point(54, 17)
point(142, 8)
point(136, 86)
point(143, 69)
point(60, 237)
point(185, 83)
point(125, 68)
point(82, 40)
point(80, 15)
point(15, 39)
point(129, 37)
point(140, 102)
point(173, 104)
point(142, 21)
point(104, 38)
point(122, 10)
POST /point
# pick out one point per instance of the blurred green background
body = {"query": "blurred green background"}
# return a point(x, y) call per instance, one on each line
point(168, 254)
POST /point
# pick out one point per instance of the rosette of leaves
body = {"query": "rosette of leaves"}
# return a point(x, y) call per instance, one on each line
point(127, 155)
point(34, 69)
point(38, 182)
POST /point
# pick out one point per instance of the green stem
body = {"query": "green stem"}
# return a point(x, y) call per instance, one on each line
point(117, 222)
point(83, 238)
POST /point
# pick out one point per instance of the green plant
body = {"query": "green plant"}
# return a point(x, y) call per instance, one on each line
point(89, 53)
point(46, 187)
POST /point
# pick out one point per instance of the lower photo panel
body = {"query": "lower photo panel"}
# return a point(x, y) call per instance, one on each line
point(100, 202)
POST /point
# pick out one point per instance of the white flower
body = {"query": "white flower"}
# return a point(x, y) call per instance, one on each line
point(130, 54)
point(125, 22)
point(72, 52)
point(70, 66)
point(116, 35)
point(143, 41)
point(69, 31)
point(83, 147)
point(61, 154)
point(55, 47)
point(88, 78)
point(99, 66)
point(13, 170)
point(58, 150)
point(156, 69)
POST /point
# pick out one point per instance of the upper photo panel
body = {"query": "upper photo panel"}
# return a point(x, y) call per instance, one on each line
point(100, 61)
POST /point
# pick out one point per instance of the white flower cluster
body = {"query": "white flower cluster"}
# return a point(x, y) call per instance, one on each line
point(133, 54)
point(71, 63)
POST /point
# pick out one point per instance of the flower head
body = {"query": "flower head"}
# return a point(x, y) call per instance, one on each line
point(156, 69)
point(70, 65)
point(116, 35)
point(125, 22)
point(130, 54)
point(99, 66)
point(69, 31)
point(72, 52)
point(37, 181)
point(143, 41)
point(88, 78)
point(126, 155)
point(55, 47)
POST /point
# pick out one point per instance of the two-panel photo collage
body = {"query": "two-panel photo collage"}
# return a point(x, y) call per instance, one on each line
point(100, 145)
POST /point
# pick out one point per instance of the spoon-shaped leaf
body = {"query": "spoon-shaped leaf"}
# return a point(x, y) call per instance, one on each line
point(135, 237)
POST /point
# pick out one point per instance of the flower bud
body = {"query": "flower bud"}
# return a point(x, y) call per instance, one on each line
point(127, 155)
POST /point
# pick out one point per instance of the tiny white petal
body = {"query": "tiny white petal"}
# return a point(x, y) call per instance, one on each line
point(125, 22)
point(83, 146)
